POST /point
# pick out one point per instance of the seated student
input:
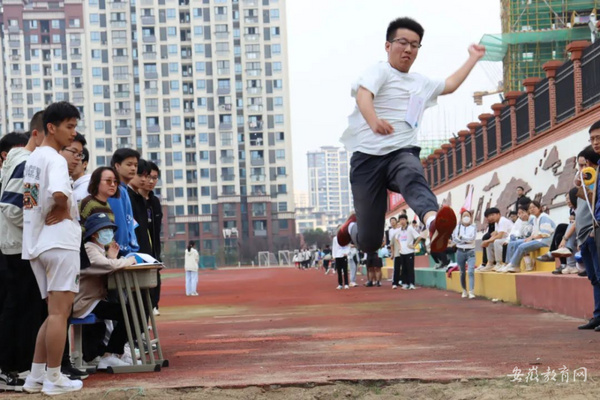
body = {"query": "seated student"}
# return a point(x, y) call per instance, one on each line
point(521, 230)
point(99, 234)
point(494, 244)
point(543, 228)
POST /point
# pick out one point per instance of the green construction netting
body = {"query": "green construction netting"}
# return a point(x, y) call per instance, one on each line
point(497, 45)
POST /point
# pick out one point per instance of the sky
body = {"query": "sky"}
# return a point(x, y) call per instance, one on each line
point(331, 42)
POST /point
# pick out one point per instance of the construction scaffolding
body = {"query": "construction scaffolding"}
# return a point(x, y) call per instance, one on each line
point(534, 32)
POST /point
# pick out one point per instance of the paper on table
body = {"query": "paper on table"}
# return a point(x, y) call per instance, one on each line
point(416, 106)
point(143, 259)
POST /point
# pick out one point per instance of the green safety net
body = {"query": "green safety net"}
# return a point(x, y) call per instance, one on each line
point(497, 45)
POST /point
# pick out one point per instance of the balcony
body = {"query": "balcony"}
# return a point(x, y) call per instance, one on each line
point(118, 40)
point(249, 3)
point(152, 109)
point(15, 72)
point(15, 57)
point(225, 126)
point(151, 91)
point(124, 145)
point(261, 232)
point(123, 130)
point(228, 177)
point(149, 39)
point(151, 75)
point(229, 214)
point(259, 213)
point(120, 59)
point(222, 35)
point(255, 108)
point(76, 56)
point(188, 110)
point(122, 94)
point(253, 55)
point(255, 125)
point(224, 107)
point(118, 5)
point(16, 100)
point(13, 29)
point(258, 178)
point(148, 20)
point(255, 37)
point(154, 144)
point(18, 114)
point(251, 20)
point(121, 77)
point(223, 71)
point(118, 23)
point(149, 56)
point(190, 163)
point(153, 128)
point(16, 86)
point(227, 160)
point(253, 72)
point(257, 161)
point(14, 44)
point(254, 90)
point(221, 17)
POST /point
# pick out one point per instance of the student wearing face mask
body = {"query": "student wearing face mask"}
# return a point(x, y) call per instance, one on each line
point(99, 236)
point(464, 238)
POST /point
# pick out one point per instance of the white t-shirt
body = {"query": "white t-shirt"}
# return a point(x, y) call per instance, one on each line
point(393, 92)
point(392, 234)
point(405, 240)
point(504, 225)
point(46, 173)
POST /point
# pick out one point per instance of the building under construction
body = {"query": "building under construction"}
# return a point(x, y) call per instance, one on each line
point(537, 31)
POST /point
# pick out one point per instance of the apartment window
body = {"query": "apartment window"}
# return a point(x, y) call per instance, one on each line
point(199, 48)
point(222, 47)
point(281, 171)
point(176, 138)
point(171, 31)
point(175, 103)
point(227, 138)
point(96, 54)
point(201, 84)
point(198, 31)
point(178, 174)
point(99, 107)
point(95, 36)
point(173, 67)
point(202, 120)
point(279, 119)
point(279, 136)
point(171, 13)
point(200, 67)
point(283, 224)
point(203, 137)
point(98, 90)
point(99, 125)
point(205, 191)
point(275, 31)
point(33, 24)
point(94, 18)
point(176, 121)
point(280, 154)
point(220, 11)
point(276, 49)
point(205, 208)
point(74, 23)
point(55, 24)
point(203, 155)
point(277, 66)
point(282, 189)
point(172, 48)
point(201, 102)
point(34, 39)
point(204, 173)
point(179, 192)
point(97, 72)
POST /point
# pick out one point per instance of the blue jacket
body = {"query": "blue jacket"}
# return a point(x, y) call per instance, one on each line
point(125, 234)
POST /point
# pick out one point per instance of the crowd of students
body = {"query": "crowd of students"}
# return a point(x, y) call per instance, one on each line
point(63, 232)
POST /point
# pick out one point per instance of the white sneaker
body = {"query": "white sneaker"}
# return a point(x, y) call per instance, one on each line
point(33, 385)
point(353, 284)
point(503, 269)
point(156, 312)
point(512, 269)
point(394, 287)
point(412, 287)
point(346, 287)
point(339, 287)
point(528, 263)
point(193, 294)
point(404, 287)
point(111, 361)
point(471, 295)
point(61, 386)
point(464, 294)
point(496, 267)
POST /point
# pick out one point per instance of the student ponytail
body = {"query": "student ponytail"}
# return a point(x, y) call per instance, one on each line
point(190, 245)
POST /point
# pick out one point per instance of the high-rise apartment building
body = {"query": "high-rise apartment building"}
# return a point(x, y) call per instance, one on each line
point(329, 181)
point(200, 87)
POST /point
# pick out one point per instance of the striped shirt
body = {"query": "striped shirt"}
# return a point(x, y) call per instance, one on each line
point(91, 205)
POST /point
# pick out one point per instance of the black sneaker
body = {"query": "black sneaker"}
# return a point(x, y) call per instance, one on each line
point(378, 284)
point(11, 383)
point(73, 373)
point(369, 284)
point(592, 324)
point(582, 273)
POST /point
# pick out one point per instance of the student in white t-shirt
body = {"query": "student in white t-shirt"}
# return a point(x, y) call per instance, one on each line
point(405, 243)
point(495, 244)
point(382, 134)
point(51, 241)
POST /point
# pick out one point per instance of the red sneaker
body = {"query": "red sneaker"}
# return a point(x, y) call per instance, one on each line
point(441, 229)
point(343, 235)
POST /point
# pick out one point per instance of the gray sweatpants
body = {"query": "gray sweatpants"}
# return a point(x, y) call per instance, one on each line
point(371, 177)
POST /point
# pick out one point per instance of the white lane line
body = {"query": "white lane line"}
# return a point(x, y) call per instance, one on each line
point(377, 363)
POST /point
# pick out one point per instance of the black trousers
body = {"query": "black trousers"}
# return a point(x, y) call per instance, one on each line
point(341, 266)
point(559, 233)
point(485, 237)
point(371, 177)
point(397, 271)
point(93, 335)
point(155, 292)
point(408, 268)
point(22, 314)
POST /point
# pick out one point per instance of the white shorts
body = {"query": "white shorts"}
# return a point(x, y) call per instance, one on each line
point(57, 270)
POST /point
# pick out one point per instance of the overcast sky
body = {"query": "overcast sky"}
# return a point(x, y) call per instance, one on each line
point(331, 42)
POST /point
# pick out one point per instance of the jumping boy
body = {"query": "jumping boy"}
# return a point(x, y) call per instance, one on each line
point(382, 134)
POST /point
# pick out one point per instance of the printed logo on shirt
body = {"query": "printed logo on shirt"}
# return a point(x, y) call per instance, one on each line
point(30, 195)
point(31, 171)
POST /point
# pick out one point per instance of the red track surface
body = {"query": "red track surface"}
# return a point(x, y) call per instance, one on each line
point(268, 326)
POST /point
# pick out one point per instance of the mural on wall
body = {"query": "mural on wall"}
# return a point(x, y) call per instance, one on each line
point(493, 183)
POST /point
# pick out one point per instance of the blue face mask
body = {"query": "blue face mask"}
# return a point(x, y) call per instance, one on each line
point(105, 236)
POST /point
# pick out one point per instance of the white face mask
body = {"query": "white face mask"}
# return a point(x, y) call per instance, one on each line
point(466, 220)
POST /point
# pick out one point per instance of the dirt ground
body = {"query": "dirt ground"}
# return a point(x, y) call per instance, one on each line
point(464, 390)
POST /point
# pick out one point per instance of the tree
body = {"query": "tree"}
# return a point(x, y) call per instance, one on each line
point(317, 237)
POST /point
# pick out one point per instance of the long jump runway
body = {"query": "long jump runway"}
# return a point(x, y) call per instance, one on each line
point(285, 326)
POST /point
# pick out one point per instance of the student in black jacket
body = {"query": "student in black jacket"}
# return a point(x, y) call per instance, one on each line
point(139, 207)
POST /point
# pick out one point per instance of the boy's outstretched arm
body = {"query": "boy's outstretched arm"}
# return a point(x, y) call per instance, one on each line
point(364, 100)
point(476, 52)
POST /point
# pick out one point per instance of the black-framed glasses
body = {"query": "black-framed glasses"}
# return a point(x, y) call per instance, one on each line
point(593, 139)
point(76, 154)
point(403, 42)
